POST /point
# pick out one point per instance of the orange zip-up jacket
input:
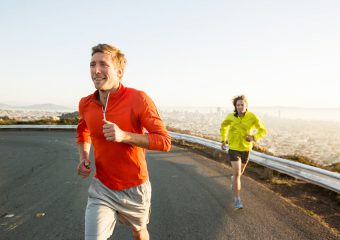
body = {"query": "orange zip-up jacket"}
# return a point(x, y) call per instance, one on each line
point(120, 165)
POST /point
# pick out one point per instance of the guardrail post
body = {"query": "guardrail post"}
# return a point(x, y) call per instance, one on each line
point(267, 174)
point(219, 155)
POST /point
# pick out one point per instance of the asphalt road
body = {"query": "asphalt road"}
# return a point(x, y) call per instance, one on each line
point(41, 196)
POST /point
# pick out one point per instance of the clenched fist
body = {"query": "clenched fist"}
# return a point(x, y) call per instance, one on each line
point(112, 132)
point(250, 138)
point(84, 168)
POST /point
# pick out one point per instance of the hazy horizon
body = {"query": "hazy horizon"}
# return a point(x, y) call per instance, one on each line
point(331, 115)
point(25, 104)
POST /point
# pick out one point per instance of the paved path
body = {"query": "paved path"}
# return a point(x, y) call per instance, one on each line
point(190, 199)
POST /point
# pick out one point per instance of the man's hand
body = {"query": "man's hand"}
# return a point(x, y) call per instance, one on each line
point(224, 146)
point(84, 168)
point(112, 132)
point(250, 138)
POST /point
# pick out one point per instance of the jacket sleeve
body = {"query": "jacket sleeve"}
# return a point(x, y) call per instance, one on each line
point(224, 128)
point(261, 130)
point(83, 133)
point(159, 137)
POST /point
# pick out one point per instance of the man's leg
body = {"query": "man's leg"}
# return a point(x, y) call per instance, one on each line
point(245, 160)
point(243, 167)
point(142, 234)
point(100, 221)
point(135, 212)
point(100, 218)
point(236, 167)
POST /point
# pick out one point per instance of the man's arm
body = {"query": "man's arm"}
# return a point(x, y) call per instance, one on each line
point(84, 151)
point(83, 168)
point(261, 130)
point(223, 132)
point(140, 140)
point(157, 137)
point(84, 144)
point(113, 133)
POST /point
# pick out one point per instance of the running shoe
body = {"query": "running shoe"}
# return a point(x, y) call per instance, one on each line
point(238, 204)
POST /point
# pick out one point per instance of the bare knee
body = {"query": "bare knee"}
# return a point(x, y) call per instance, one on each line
point(142, 234)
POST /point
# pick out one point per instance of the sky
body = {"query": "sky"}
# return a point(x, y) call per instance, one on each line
point(181, 53)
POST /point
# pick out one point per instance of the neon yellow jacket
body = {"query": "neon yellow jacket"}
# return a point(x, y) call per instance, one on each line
point(239, 128)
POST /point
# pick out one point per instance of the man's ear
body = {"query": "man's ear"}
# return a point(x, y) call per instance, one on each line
point(120, 73)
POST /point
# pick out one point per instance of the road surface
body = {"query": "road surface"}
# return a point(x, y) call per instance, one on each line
point(41, 196)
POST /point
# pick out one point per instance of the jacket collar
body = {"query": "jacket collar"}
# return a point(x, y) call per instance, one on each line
point(113, 96)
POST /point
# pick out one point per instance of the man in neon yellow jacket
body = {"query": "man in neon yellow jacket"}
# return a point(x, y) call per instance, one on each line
point(240, 127)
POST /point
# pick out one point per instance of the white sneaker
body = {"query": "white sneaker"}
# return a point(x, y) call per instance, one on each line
point(238, 204)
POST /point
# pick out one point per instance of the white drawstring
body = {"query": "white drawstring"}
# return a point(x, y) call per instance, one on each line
point(104, 108)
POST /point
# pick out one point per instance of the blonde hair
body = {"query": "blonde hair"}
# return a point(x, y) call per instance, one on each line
point(118, 58)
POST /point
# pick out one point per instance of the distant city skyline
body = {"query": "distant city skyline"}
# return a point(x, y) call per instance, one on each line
point(25, 104)
point(317, 140)
point(182, 53)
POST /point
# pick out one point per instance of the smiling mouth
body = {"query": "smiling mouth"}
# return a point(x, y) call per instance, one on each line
point(99, 79)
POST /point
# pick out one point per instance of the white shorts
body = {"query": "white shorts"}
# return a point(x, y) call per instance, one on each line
point(130, 206)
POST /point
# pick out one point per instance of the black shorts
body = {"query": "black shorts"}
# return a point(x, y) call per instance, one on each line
point(238, 155)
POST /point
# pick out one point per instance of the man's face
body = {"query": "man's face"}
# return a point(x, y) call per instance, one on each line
point(241, 106)
point(103, 73)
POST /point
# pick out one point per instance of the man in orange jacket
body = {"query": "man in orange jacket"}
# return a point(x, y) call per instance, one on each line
point(113, 119)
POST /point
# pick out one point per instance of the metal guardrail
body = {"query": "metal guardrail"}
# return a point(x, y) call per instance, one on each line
point(32, 127)
point(314, 175)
